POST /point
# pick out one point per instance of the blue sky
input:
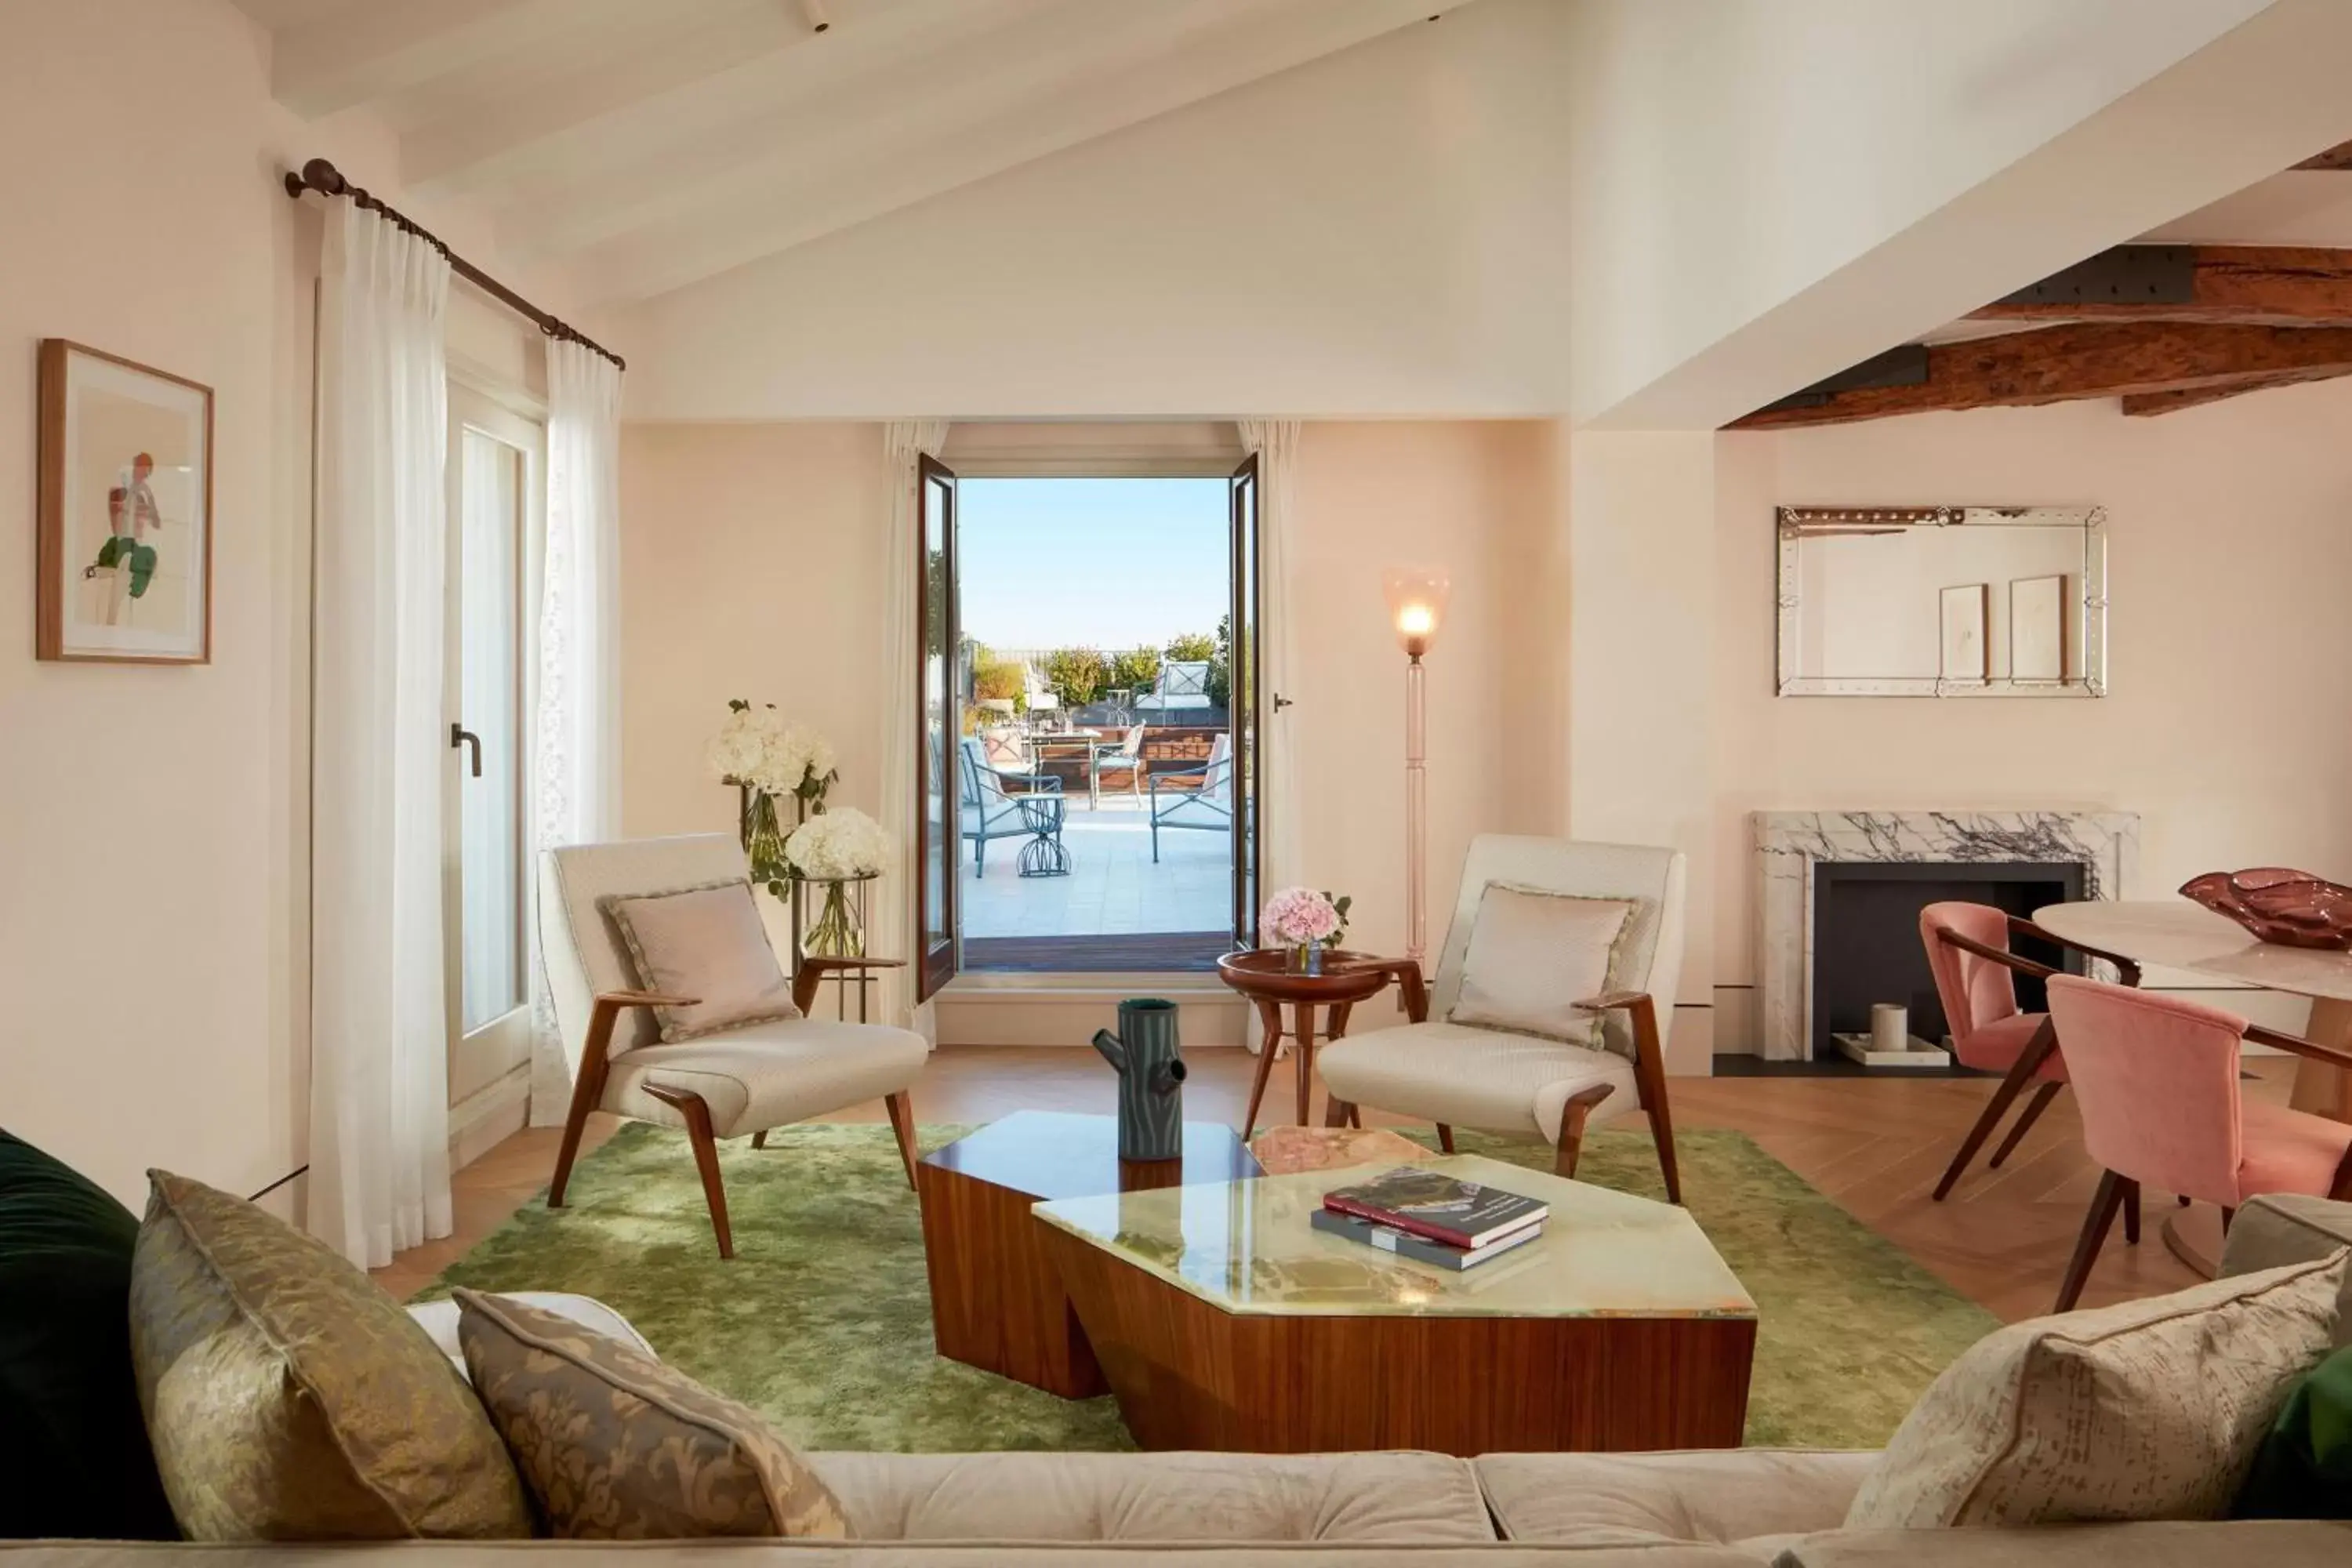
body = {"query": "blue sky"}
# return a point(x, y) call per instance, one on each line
point(1113, 564)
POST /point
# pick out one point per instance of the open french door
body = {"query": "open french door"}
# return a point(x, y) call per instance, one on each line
point(1244, 705)
point(937, 684)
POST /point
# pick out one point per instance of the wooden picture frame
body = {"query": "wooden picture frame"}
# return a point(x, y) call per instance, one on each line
point(124, 551)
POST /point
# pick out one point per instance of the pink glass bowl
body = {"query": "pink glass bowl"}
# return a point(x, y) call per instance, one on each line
point(2293, 908)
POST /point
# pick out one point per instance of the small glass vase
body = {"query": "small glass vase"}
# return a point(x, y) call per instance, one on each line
point(1305, 958)
point(835, 933)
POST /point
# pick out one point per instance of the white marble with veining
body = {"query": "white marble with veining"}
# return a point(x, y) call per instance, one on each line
point(1789, 844)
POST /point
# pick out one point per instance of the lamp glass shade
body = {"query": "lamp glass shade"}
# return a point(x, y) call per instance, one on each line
point(1416, 596)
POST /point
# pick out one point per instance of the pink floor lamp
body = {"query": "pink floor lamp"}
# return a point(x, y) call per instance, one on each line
point(1416, 598)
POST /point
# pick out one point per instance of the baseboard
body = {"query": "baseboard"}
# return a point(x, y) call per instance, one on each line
point(489, 1116)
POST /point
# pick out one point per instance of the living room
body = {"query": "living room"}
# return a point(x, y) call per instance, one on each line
point(1563, 353)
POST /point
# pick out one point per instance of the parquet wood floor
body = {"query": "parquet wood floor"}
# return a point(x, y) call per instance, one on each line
point(1874, 1145)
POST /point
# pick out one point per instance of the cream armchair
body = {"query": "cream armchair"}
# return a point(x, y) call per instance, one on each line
point(1456, 1075)
point(725, 1085)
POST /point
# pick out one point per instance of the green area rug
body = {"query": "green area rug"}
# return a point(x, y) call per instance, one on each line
point(823, 1321)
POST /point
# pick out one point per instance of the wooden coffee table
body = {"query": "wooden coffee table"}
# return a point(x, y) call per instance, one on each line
point(996, 1302)
point(1224, 1321)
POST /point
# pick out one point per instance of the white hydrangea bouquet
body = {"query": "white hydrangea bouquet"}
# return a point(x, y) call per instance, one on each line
point(837, 848)
point(769, 760)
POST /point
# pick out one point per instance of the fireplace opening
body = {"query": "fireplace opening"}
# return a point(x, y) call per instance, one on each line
point(1866, 946)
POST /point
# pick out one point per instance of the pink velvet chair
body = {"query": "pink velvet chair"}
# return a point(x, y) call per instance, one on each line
point(1976, 979)
point(2156, 1078)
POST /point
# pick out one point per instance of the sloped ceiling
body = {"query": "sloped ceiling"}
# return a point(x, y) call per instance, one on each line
point(639, 147)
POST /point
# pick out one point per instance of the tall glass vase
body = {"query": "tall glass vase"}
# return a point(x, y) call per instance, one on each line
point(763, 835)
point(837, 933)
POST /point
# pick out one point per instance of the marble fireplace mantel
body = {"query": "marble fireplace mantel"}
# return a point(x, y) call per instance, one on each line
point(1789, 844)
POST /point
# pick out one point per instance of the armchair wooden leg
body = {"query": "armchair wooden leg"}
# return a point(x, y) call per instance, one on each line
point(2131, 1213)
point(1650, 1085)
point(587, 1093)
point(2024, 1122)
point(1445, 1137)
point(2029, 1062)
point(1571, 1126)
point(902, 1126)
point(2103, 1204)
point(1336, 1112)
point(706, 1156)
point(759, 1138)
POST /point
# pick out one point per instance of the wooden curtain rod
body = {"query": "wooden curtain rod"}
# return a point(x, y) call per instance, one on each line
point(323, 177)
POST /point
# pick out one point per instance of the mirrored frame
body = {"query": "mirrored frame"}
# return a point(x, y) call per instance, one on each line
point(2086, 599)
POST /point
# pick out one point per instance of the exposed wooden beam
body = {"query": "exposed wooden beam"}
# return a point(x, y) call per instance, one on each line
point(2147, 405)
point(2265, 285)
point(2338, 158)
point(2086, 359)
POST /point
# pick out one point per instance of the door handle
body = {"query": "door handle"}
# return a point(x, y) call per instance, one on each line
point(1281, 702)
point(461, 736)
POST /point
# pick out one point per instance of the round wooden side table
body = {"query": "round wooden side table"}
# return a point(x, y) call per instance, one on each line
point(1264, 977)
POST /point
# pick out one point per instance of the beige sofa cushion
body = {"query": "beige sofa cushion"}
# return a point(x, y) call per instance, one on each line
point(2257, 1543)
point(706, 942)
point(1701, 1494)
point(1181, 1497)
point(873, 1554)
point(1533, 955)
point(2149, 1410)
point(617, 1446)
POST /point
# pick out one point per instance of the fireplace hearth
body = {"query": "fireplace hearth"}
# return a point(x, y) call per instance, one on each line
point(1839, 897)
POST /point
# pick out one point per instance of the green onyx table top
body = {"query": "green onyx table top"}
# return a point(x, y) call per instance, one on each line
point(1246, 1247)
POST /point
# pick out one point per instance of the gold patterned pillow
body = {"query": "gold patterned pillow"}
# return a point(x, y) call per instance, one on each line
point(617, 1446)
point(289, 1398)
point(2153, 1409)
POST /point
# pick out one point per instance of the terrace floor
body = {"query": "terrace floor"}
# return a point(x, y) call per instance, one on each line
point(1114, 887)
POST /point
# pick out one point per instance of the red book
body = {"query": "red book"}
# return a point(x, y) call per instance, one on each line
point(1429, 1203)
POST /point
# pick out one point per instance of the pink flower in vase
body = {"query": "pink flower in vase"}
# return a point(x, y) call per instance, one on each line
point(1297, 917)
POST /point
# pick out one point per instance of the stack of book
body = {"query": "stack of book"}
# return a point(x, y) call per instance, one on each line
point(1427, 1215)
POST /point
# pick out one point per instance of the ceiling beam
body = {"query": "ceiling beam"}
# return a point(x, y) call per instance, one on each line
point(2085, 359)
point(356, 54)
point(2335, 159)
point(2148, 405)
point(2263, 284)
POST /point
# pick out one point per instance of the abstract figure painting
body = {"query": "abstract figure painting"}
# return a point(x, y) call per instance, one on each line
point(125, 550)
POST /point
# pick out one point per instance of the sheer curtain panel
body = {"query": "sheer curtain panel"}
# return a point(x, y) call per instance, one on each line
point(576, 751)
point(380, 1039)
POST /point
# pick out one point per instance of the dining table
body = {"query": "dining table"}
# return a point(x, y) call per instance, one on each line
point(2176, 933)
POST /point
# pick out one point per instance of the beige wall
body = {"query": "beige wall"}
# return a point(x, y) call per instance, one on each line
point(751, 570)
point(152, 850)
point(2228, 556)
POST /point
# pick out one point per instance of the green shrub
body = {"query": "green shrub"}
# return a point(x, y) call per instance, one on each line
point(1137, 669)
point(998, 679)
point(1075, 674)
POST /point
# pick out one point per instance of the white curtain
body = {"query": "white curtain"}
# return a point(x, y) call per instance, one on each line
point(576, 759)
point(1276, 443)
point(379, 1096)
point(894, 911)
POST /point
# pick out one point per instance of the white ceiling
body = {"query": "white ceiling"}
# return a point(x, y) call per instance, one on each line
point(640, 146)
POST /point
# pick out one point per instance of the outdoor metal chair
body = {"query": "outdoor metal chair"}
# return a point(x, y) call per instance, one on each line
point(1184, 685)
point(1202, 803)
point(992, 806)
point(1127, 758)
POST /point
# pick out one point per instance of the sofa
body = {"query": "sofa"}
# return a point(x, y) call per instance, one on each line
point(1719, 1509)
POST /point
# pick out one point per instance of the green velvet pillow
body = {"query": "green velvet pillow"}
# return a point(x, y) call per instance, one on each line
point(74, 1459)
point(2305, 1468)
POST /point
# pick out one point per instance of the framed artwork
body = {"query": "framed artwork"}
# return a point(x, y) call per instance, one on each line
point(1964, 633)
point(2037, 630)
point(126, 511)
